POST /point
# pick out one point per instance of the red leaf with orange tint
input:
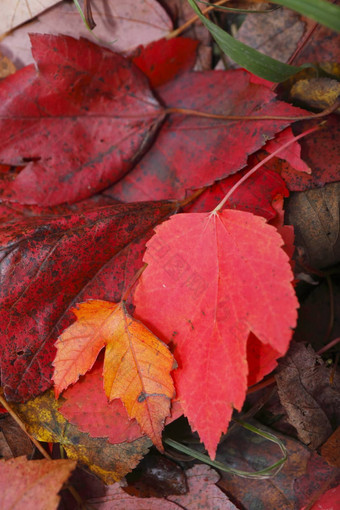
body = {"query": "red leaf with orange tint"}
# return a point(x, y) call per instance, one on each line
point(211, 280)
point(137, 365)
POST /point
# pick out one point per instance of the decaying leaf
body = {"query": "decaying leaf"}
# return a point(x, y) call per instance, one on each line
point(16, 12)
point(48, 264)
point(331, 449)
point(276, 34)
point(120, 26)
point(14, 439)
point(202, 493)
point(137, 365)
point(109, 462)
point(223, 276)
point(315, 215)
point(32, 484)
point(318, 93)
point(311, 401)
point(302, 478)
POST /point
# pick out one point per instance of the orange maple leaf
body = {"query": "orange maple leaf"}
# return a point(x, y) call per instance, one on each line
point(137, 364)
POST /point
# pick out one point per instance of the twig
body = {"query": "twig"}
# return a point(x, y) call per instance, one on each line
point(196, 113)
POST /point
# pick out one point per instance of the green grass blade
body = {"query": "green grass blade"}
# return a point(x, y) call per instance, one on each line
point(234, 9)
point(252, 60)
point(268, 472)
point(321, 11)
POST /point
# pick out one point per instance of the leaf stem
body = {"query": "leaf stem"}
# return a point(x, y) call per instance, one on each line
point(19, 422)
point(192, 197)
point(261, 163)
point(182, 28)
point(196, 113)
point(132, 282)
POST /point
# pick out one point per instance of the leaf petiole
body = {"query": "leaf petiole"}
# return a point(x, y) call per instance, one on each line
point(261, 163)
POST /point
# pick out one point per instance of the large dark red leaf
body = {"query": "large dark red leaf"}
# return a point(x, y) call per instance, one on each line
point(48, 264)
point(191, 152)
point(79, 123)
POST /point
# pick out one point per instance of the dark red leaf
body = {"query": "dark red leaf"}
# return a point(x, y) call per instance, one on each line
point(192, 152)
point(321, 151)
point(48, 264)
point(77, 124)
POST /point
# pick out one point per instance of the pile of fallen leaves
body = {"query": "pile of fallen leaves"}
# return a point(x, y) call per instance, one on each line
point(147, 271)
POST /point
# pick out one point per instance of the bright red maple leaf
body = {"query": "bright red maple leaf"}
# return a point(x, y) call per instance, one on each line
point(211, 280)
point(77, 124)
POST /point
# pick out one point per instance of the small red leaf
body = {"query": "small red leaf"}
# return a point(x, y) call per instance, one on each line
point(164, 60)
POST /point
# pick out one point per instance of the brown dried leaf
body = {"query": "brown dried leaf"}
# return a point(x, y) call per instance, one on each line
point(16, 12)
point(314, 215)
point(203, 493)
point(16, 440)
point(311, 401)
point(331, 449)
point(300, 480)
point(276, 33)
